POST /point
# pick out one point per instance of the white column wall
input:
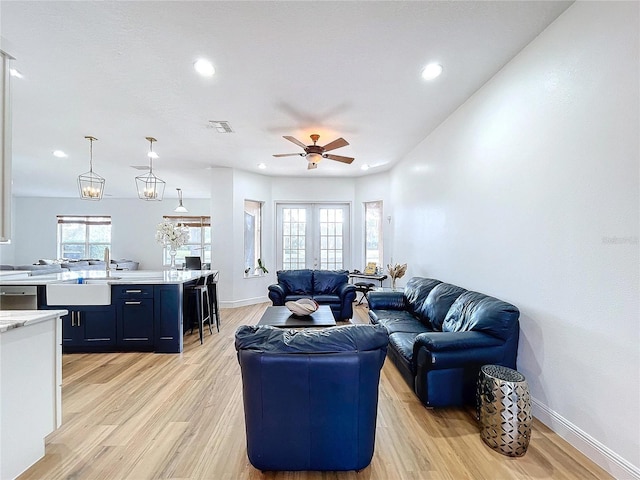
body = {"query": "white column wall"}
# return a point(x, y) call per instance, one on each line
point(530, 192)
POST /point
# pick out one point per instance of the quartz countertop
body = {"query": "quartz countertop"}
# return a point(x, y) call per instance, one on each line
point(10, 319)
point(116, 277)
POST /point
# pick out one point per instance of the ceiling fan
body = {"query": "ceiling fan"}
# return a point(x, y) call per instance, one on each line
point(314, 153)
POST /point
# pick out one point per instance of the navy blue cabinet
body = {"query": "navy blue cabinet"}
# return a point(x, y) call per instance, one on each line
point(167, 302)
point(134, 316)
point(88, 327)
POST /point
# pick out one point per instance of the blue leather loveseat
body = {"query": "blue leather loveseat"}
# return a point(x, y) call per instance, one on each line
point(440, 335)
point(311, 397)
point(327, 287)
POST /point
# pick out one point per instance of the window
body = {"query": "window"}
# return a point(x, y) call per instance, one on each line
point(313, 236)
point(373, 233)
point(252, 235)
point(83, 237)
point(199, 244)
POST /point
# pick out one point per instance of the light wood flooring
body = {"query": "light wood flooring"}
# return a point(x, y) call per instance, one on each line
point(145, 415)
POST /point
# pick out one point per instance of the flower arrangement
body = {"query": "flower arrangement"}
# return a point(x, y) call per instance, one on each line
point(396, 271)
point(172, 235)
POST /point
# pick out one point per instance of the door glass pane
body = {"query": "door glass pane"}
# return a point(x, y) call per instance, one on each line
point(293, 238)
point(330, 239)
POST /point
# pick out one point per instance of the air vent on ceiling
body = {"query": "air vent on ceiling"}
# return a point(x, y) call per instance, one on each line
point(221, 126)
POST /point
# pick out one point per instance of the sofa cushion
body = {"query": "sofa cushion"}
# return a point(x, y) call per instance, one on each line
point(327, 282)
point(327, 299)
point(297, 282)
point(481, 313)
point(407, 325)
point(402, 344)
point(416, 291)
point(436, 305)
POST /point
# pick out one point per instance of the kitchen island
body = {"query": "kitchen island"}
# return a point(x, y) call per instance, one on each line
point(30, 386)
point(119, 311)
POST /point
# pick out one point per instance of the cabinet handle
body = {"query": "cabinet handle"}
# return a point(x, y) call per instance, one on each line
point(73, 318)
point(78, 317)
point(132, 303)
point(133, 291)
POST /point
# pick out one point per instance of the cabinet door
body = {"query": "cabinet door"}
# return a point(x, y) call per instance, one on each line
point(97, 324)
point(135, 322)
point(168, 318)
point(70, 334)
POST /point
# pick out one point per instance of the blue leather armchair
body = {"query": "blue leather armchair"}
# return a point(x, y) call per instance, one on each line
point(327, 287)
point(311, 397)
point(440, 335)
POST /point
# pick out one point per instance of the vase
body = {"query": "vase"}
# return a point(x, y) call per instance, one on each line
point(393, 283)
point(172, 267)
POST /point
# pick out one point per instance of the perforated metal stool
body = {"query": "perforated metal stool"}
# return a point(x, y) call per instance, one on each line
point(504, 410)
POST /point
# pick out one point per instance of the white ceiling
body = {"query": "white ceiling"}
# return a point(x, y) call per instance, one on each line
point(122, 71)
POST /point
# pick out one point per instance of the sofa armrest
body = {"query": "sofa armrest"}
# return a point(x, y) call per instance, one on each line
point(439, 350)
point(276, 294)
point(386, 300)
point(344, 290)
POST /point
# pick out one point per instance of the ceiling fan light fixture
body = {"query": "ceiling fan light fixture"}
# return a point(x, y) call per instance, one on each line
point(314, 157)
point(431, 71)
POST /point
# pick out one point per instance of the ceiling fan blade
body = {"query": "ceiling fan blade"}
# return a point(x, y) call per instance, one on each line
point(295, 140)
point(288, 155)
point(340, 158)
point(311, 166)
point(340, 142)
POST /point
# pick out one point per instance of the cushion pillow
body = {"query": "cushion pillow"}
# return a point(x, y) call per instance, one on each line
point(328, 282)
point(297, 282)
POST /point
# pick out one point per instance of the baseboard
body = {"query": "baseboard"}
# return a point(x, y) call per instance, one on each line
point(585, 443)
point(245, 302)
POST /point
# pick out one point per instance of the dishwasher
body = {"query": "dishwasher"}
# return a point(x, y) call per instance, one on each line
point(14, 297)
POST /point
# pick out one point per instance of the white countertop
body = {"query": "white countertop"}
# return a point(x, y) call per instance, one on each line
point(149, 277)
point(20, 318)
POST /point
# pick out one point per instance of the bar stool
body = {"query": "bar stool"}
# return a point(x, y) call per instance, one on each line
point(212, 284)
point(200, 292)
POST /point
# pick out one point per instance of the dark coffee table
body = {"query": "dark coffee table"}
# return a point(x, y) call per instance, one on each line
point(280, 316)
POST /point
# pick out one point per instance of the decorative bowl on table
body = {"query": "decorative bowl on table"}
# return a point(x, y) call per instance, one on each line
point(302, 307)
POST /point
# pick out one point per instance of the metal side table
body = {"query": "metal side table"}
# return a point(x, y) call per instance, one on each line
point(504, 410)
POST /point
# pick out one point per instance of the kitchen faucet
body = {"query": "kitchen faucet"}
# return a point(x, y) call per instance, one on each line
point(107, 261)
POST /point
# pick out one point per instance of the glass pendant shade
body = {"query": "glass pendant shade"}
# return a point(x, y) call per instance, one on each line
point(90, 184)
point(149, 186)
point(180, 208)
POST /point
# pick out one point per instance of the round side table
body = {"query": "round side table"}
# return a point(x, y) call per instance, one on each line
point(504, 410)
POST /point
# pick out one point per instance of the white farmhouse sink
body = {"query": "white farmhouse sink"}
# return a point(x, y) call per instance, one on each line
point(98, 293)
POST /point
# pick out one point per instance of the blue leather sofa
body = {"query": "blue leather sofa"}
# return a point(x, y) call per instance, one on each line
point(327, 287)
point(440, 335)
point(311, 397)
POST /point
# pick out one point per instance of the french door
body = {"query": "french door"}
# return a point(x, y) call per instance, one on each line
point(313, 236)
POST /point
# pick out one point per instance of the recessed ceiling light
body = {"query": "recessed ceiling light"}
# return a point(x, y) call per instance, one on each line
point(204, 67)
point(262, 166)
point(59, 154)
point(431, 71)
point(364, 167)
point(15, 73)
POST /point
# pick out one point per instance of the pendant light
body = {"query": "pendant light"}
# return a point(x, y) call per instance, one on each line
point(149, 186)
point(180, 208)
point(90, 184)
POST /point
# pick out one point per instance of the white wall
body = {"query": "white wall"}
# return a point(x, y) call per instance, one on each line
point(530, 192)
point(133, 226)
point(373, 188)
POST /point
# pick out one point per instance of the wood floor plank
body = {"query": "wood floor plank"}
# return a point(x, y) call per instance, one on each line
point(159, 416)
